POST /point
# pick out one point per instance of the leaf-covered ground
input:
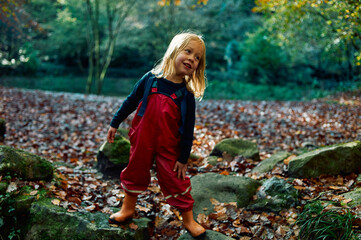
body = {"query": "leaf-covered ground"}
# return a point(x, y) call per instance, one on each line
point(68, 129)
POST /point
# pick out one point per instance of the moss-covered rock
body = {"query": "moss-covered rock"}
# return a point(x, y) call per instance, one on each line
point(355, 196)
point(235, 147)
point(2, 129)
point(48, 221)
point(28, 166)
point(113, 157)
point(117, 152)
point(210, 235)
point(222, 188)
point(274, 195)
point(269, 163)
point(337, 159)
point(212, 160)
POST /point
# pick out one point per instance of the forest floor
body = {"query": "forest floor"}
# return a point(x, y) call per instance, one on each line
point(70, 128)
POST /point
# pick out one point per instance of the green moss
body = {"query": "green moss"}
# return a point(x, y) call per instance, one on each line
point(117, 152)
point(236, 147)
point(52, 222)
point(123, 132)
point(28, 166)
point(336, 159)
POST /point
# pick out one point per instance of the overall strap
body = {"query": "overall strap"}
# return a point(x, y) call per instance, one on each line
point(148, 86)
point(152, 87)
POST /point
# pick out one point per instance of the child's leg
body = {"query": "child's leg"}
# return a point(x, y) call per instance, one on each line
point(127, 210)
point(177, 193)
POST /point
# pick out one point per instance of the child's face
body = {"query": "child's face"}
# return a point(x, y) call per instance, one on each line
point(188, 59)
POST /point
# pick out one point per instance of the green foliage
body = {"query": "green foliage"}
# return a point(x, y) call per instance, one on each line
point(318, 222)
point(263, 60)
point(321, 35)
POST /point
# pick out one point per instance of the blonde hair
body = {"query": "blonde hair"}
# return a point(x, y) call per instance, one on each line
point(196, 83)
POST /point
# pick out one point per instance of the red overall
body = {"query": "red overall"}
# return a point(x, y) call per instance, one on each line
point(156, 135)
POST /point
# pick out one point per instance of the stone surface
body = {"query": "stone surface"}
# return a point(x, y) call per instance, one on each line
point(212, 160)
point(355, 196)
point(222, 188)
point(48, 221)
point(274, 195)
point(28, 166)
point(235, 147)
point(113, 157)
point(210, 235)
point(269, 163)
point(337, 159)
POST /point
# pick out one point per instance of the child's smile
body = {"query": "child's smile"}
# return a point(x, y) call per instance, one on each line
point(186, 62)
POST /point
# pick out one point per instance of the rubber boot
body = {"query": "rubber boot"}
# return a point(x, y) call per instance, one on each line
point(126, 212)
point(194, 228)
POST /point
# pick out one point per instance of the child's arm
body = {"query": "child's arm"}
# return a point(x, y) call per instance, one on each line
point(187, 138)
point(130, 103)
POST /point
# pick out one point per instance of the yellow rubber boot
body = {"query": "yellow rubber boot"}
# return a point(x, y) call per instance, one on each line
point(126, 212)
point(194, 228)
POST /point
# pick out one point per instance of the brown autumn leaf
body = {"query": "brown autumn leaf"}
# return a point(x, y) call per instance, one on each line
point(226, 173)
point(133, 226)
point(142, 209)
point(76, 200)
point(214, 201)
point(287, 160)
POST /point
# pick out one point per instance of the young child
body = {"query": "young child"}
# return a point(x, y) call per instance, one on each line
point(162, 129)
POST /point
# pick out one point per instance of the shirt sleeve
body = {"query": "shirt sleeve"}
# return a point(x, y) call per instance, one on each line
point(187, 136)
point(131, 102)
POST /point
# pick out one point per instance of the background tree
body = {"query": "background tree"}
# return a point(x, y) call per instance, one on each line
point(116, 12)
point(323, 36)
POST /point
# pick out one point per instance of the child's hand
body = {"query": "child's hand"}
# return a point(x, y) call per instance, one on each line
point(181, 168)
point(111, 134)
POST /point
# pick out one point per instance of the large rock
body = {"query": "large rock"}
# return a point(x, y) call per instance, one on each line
point(222, 188)
point(274, 195)
point(113, 157)
point(28, 166)
point(340, 159)
point(210, 235)
point(48, 221)
point(2, 129)
point(235, 147)
point(269, 163)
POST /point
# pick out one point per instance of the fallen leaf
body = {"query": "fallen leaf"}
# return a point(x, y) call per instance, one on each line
point(142, 209)
point(56, 202)
point(214, 201)
point(133, 226)
point(33, 193)
point(90, 208)
point(226, 173)
point(287, 160)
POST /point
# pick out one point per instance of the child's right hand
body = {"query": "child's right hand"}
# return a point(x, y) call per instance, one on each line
point(111, 134)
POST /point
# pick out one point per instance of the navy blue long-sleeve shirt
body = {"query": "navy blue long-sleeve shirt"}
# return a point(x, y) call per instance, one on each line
point(131, 103)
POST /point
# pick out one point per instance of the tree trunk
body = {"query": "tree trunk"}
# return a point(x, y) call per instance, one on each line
point(113, 33)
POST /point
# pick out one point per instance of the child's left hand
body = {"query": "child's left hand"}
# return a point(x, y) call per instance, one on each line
point(181, 168)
